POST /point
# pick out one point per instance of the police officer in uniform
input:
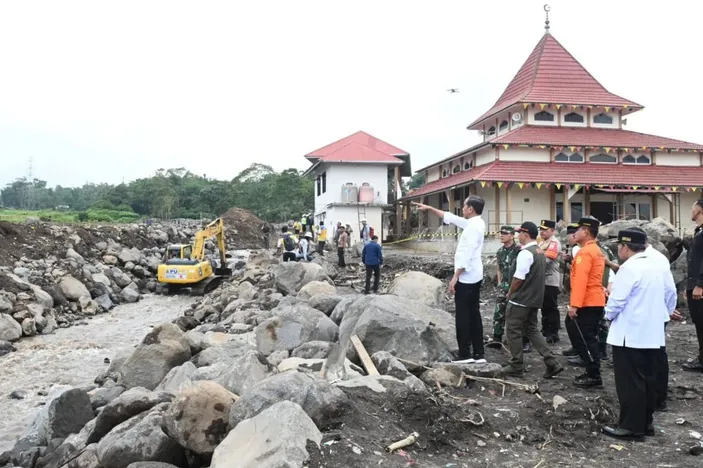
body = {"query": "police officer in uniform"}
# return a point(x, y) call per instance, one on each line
point(505, 256)
point(551, 247)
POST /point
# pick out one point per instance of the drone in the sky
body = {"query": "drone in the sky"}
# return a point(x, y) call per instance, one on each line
point(453, 90)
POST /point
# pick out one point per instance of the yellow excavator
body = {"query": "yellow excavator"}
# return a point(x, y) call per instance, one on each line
point(185, 266)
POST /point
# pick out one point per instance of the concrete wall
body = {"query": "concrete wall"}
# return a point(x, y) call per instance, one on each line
point(524, 154)
point(349, 215)
point(339, 174)
point(432, 174)
point(485, 156)
point(677, 158)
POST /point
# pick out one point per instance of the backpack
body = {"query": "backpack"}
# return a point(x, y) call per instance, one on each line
point(288, 243)
point(371, 232)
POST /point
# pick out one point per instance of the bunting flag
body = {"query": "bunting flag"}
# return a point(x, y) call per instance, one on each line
point(483, 184)
point(627, 150)
point(526, 105)
point(500, 184)
point(607, 109)
point(674, 189)
point(590, 107)
point(572, 148)
point(573, 107)
point(520, 184)
point(661, 147)
point(506, 146)
point(635, 187)
point(600, 186)
point(577, 187)
point(656, 188)
point(558, 106)
point(542, 146)
point(607, 150)
point(644, 148)
point(558, 186)
point(625, 106)
point(538, 185)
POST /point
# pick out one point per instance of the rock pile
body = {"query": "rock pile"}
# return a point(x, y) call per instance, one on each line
point(248, 377)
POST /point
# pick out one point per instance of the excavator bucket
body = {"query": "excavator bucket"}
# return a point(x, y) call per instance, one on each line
point(223, 272)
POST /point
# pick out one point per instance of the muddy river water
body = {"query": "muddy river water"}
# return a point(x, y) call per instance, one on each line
point(73, 356)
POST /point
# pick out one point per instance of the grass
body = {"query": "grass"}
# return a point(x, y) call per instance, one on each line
point(88, 216)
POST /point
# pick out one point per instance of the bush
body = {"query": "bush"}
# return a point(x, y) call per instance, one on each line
point(82, 216)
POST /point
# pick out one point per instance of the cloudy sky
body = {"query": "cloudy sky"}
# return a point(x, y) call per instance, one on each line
point(106, 91)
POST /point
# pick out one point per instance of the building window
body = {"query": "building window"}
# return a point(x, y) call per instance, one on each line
point(603, 158)
point(444, 173)
point(638, 211)
point(503, 125)
point(456, 169)
point(468, 165)
point(642, 159)
point(319, 186)
point(573, 117)
point(576, 211)
point(574, 157)
point(324, 182)
point(544, 116)
point(603, 119)
point(491, 131)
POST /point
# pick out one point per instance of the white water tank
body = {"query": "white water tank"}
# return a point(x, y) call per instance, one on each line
point(366, 194)
point(350, 193)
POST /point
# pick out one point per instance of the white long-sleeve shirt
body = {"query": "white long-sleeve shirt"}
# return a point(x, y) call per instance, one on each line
point(469, 247)
point(641, 300)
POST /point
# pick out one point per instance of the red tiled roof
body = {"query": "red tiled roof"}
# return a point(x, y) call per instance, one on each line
point(644, 176)
point(356, 152)
point(552, 75)
point(361, 138)
point(568, 136)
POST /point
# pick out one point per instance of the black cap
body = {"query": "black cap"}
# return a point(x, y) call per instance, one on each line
point(589, 222)
point(572, 228)
point(547, 224)
point(632, 236)
point(507, 230)
point(529, 227)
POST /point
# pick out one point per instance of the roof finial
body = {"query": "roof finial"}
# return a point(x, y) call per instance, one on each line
point(546, 21)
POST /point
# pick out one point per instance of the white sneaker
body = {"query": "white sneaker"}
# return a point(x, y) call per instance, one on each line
point(464, 361)
point(479, 361)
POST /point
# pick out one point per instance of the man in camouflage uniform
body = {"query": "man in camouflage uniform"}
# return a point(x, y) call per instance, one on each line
point(505, 256)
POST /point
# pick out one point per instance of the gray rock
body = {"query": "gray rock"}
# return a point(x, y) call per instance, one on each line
point(329, 269)
point(316, 366)
point(227, 352)
point(29, 327)
point(72, 288)
point(164, 348)
point(105, 302)
point(102, 279)
point(245, 373)
point(178, 379)
point(341, 308)
point(323, 403)
point(18, 395)
point(139, 439)
point(246, 291)
point(22, 272)
point(276, 437)
point(106, 394)
point(10, 330)
point(325, 303)
point(151, 465)
point(290, 277)
point(291, 327)
point(6, 348)
point(314, 288)
point(486, 369)
point(68, 413)
point(275, 358)
point(132, 255)
point(417, 286)
point(127, 405)
point(110, 260)
point(87, 305)
point(5, 305)
point(43, 297)
point(130, 295)
point(198, 418)
point(313, 350)
point(73, 255)
point(199, 341)
point(446, 376)
point(387, 364)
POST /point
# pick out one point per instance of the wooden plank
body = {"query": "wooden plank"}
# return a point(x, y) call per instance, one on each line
point(364, 356)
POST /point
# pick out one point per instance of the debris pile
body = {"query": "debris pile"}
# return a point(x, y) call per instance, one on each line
point(243, 229)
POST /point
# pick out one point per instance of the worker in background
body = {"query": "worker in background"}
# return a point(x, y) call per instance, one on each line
point(342, 244)
point(310, 221)
point(287, 245)
point(587, 302)
point(266, 230)
point(642, 297)
point(365, 232)
point(304, 247)
point(297, 228)
point(336, 234)
point(572, 249)
point(303, 222)
point(372, 257)
point(321, 238)
point(694, 284)
point(349, 232)
point(505, 257)
point(550, 245)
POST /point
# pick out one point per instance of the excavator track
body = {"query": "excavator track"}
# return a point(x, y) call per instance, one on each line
point(206, 285)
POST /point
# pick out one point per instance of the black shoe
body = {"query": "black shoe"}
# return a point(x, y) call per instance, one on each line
point(621, 434)
point(662, 407)
point(569, 352)
point(604, 357)
point(527, 348)
point(495, 343)
point(512, 371)
point(693, 366)
point(584, 381)
point(479, 358)
point(577, 361)
point(553, 339)
point(650, 430)
point(553, 371)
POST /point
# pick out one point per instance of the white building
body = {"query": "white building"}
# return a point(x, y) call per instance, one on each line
point(352, 179)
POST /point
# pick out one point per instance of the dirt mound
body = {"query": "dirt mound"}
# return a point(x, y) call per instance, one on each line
point(243, 229)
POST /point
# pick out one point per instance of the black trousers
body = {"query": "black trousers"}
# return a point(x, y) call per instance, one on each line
point(376, 270)
point(289, 257)
point(551, 322)
point(661, 375)
point(587, 320)
point(321, 248)
point(469, 326)
point(635, 383)
point(340, 254)
point(695, 308)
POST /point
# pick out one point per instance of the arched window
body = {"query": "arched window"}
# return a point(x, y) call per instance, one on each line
point(629, 159)
point(576, 157)
point(603, 158)
point(491, 131)
point(643, 160)
point(444, 173)
point(456, 169)
point(503, 125)
point(563, 157)
point(468, 165)
point(573, 117)
point(603, 119)
point(544, 116)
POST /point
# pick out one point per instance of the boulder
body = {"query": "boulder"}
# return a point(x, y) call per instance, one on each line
point(325, 303)
point(276, 437)
point(227, 352)
point(486, 369)
point(151, 465)
point(110, 260)
point(10, 330)
point(87, 305)
point(105, 302)
point(29, 327)
point(246, 291)
point(198, 418)
point(73, 255)
point(178, 379)
point(5, 305)
point(127, 405)
point(387, 364)
point(6, 348)
point(316, 366)
point(313, 350)
point(43, 297)
point(199, 341)
point(329, 269)
point(290, 277)
point(102, 279)
point(290, 327)
point(420, 287)
point(447, 376)
point(277, 357)
point(341, 308)
point(323, 403)
point(68, 413)
point(679, 268)
point(72, 288)
point(245, 372)
point(164, 348)
point(139, 439)
point(105, 394)
point(357, 249)
point(130, 255)
point(314, 288)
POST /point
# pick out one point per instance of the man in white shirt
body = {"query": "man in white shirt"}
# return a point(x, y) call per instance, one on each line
point(468, 275)
point(641, 299)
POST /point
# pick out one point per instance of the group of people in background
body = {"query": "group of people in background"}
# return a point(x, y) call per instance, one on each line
point(624, 304)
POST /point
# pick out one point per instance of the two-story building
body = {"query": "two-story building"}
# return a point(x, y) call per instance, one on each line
point(555, 147)
point(352, 181)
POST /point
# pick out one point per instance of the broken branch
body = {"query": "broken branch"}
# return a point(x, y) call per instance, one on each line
point(409, 440)
point(534, 389)
point(474, 423)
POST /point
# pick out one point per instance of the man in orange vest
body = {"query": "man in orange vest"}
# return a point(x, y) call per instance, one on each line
point(587, 302)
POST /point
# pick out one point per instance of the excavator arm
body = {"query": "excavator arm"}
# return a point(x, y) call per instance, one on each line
point(215, 228)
